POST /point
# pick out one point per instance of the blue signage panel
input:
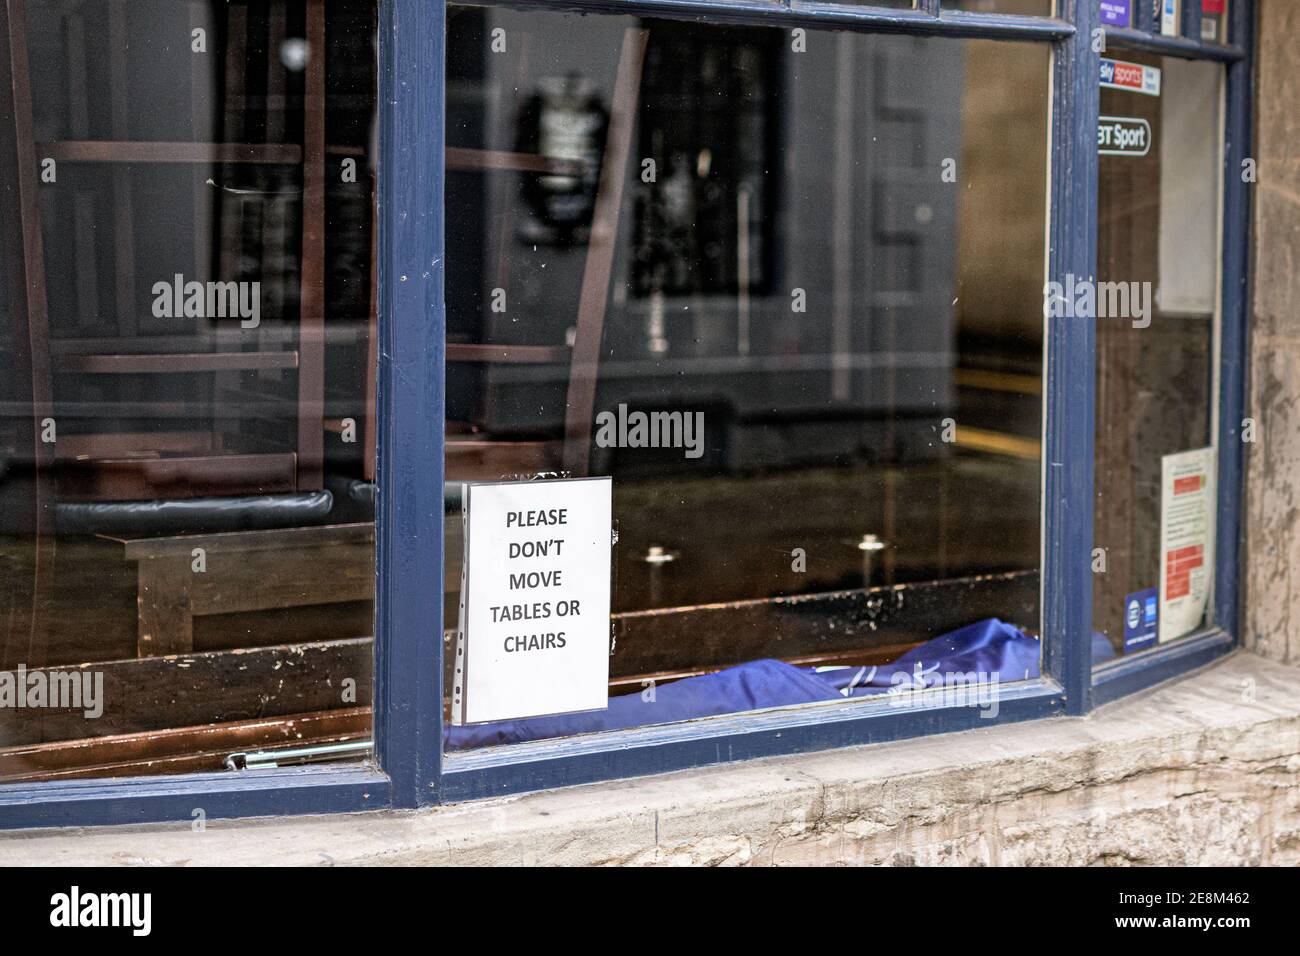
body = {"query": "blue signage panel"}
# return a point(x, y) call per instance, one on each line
point(1141, 617)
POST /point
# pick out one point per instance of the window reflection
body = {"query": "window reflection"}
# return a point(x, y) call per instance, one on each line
point(187, 377)
point(1158, 230)
point(832, 258)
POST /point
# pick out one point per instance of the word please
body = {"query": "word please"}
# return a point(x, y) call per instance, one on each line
point(542, 516)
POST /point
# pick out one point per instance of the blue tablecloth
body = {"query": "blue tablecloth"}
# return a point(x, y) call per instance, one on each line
point(990, 648)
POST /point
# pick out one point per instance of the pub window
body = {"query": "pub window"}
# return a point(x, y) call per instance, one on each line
point(1041, 8)
point(187, 359)
point(828, 263)
point(781, 290)
point(1158, 226)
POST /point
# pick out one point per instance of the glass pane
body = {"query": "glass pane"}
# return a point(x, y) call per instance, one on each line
point(827, 261)
point(1117, 13)
point(187, 370)
point(1031, 8)
point(1158, 251)
point(1214, 21)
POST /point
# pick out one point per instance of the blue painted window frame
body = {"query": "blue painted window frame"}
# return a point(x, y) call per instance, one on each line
point(410, 769)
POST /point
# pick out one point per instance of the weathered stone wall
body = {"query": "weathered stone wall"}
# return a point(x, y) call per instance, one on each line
point(1204, 771)
point(1272, 567)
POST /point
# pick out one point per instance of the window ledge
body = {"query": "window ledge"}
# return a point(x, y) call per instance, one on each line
point(1199, 771)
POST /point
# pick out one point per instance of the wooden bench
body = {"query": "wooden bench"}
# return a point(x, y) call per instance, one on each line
point(244, 571)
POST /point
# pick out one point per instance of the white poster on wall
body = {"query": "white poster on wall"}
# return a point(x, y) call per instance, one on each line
point(535, 594)
point(1186, 540)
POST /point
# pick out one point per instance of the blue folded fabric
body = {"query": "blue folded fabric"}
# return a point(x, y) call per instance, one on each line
point(989, 647)
point(1101, 648)
point(749, 686)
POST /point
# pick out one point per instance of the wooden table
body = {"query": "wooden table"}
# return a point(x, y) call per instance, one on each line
point(244, 571)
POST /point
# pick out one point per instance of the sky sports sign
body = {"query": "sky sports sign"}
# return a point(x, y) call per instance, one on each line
point(1134, 77)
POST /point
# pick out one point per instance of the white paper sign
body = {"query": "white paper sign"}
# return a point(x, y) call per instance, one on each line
point(534, 600)
point(1186, 540)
